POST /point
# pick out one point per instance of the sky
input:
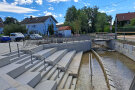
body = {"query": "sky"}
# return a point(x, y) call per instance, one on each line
point(21, 9)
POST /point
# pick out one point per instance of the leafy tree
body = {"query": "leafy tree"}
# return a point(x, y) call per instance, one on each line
point(12, 28)
point(10, 20)
point(51, 29)
point(132, 22)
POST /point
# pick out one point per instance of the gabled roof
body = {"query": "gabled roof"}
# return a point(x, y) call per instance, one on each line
point(37, 19)
point(1, 22)
point(64, 28)
point(125, 16)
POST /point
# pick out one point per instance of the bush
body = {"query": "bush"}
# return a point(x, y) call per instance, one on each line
point(12, 28)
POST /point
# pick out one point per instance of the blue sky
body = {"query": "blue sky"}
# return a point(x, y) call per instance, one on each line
point(21, 9)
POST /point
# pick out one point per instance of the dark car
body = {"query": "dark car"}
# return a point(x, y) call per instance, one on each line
point(5, 38)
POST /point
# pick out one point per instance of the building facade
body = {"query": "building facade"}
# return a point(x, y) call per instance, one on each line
point(124, 18)
point(65, 31)
point(39, 24)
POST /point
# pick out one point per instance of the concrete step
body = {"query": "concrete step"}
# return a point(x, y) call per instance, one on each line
point(44, 53)
point(68, 83)
point(47, 85)
point(30, 78)
point(74, 83)
point(44, 72)
point(42, 67)
point(58, 80)
point(49, 74)
point(13, 70)
point(19, 58)
point(66, 60)
point(54, 58)
point(63, 82)
point(30, 65)
point(54, 76)
point(23, 60)
point(75, 64)
point(15, 55)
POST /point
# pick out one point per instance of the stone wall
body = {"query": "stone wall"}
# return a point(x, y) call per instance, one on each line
point(126, 49)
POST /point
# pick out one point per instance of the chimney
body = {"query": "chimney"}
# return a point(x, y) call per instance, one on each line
point(30, 17)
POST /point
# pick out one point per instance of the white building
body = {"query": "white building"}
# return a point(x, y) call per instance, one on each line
point(40, 24)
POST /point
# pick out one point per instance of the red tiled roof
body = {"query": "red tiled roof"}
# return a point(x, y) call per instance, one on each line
point(65, 28)
point(125, 16)
point(1, 23)
point(37, 19)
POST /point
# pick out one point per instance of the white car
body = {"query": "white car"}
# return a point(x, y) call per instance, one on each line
point(35, 36)
point(16, 36)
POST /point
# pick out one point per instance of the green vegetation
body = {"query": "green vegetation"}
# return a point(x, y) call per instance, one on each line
point(10, 20)
point(11, 28)
point(87, 20)
point(51, 29)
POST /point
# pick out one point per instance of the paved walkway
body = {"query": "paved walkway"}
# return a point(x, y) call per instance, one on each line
point(4, 47)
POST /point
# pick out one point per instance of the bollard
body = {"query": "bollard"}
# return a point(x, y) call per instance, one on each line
point(18, 50)
point(9, 47)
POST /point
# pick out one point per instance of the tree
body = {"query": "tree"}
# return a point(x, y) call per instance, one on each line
point(12, 28)
point(51, 29)
point(132, 22)
point(71, 14)
point(10, 20)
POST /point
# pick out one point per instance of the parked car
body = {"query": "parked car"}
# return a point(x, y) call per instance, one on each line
point(5, 38)
point(35, 36)
point(16, 36)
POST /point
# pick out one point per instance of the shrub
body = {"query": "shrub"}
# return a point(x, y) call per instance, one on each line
point(12, 28)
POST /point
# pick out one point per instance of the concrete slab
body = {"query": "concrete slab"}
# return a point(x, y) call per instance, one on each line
point(63, 82)
point(75, 64)
point(44, 53)
point(54, 76)
point(30, 78)
point(58, 80)
point(47, 85)
point(66, 60)
point(69, 82)
point(4, 60)
point(74, 83)
point(54, 58)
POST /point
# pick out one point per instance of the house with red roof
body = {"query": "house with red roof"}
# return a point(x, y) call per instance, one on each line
point(40, 24)
point(124, 18)
point(65, 31)
point(1, 26)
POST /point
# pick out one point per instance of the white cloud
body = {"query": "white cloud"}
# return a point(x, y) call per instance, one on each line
point(40, 2)
point(75, 0)
point(21, 2)
point(57, 1)
point(51, 8)
point(4, 1)
point(106, 11)
point(5, 7)
point(60, 15)
point(47, 13)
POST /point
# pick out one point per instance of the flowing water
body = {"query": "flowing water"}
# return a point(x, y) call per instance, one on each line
point(122, 70)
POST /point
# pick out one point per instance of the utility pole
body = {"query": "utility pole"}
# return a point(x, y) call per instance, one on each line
point(116, 28)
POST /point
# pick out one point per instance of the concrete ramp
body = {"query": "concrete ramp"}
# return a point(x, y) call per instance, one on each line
point(66, 60)
point(44, 53)
point(54, 58)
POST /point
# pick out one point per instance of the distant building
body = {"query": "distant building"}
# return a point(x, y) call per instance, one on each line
point(124, 18)
point(39, 24)
point(1, 26)
point(65, 31)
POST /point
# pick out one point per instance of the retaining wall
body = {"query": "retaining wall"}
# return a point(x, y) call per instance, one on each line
point(77, 45)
